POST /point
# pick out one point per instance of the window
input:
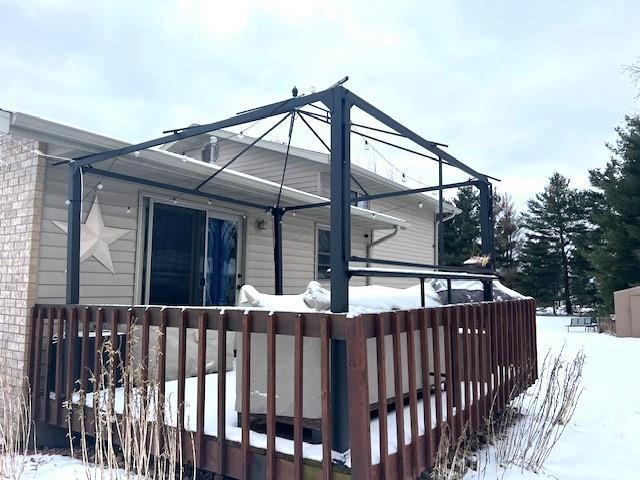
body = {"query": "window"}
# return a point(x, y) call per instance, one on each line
point(359, 203)
point(323, 254)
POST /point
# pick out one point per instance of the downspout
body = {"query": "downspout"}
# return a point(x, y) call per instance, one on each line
point(372, 244)
point(438, 223)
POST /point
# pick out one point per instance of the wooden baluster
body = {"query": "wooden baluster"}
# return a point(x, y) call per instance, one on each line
point(182, 370)
point(399, 397)
point(59, 366)
point(436, 320)
point(36, 343)
point(162, 373)
point(468, 355)
point(413, 391)
point(72, 335)
point(298, 369)
point(45, 410)
point(325, 336)
point(222, 393)
point(382, 396)
point(426, 386)
point(449, 369)
point(201, 386)
point(358, 391)
point(271, 396)
point(482, 353)
point(84, 353)
point(245, 399)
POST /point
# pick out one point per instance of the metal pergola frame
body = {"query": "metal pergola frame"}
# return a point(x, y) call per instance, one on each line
point(338, 102)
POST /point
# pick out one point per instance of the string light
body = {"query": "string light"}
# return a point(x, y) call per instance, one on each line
point(209, 201)
point(175, 201)
point(67, 202)
point(366, 145)
point(128, 209)
point(100, 186)
point(420, 204)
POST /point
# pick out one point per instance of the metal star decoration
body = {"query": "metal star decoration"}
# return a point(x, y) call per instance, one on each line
point(95, 237)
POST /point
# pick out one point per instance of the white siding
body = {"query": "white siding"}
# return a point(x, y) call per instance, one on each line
point(268, 165)
point(299, 252)
point(415, 242)
point(98, 285)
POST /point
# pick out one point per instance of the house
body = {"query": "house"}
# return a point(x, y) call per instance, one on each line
point(119, 247)
point(147, 245)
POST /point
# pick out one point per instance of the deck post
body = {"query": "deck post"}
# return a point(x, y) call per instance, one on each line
point(340, 253)
point(74, 212)
point(278, 214)
point(486, 232)
point(440, 240)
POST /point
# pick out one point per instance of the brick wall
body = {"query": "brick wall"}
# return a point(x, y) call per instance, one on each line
point(21, 190)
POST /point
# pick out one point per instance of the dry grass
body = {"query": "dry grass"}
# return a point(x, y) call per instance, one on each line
point(524, 434)
point(17, 430)
point(136, 443)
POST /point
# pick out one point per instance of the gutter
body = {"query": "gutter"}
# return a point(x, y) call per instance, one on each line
point(437, 229)
point(370, 245)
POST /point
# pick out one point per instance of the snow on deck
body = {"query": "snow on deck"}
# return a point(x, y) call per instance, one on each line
point(259, 440)
point(602, 441)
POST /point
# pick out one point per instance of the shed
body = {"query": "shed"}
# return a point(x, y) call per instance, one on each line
point(627, 308)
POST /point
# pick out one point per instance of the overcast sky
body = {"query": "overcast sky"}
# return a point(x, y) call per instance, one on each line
point(517, 89)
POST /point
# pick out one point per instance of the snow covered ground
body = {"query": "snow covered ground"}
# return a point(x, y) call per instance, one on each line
point(59, 467)
point(602, 441)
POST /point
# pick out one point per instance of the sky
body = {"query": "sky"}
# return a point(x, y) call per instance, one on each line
point(517, 90)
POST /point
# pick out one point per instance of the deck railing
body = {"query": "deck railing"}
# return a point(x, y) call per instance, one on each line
point(472, 358)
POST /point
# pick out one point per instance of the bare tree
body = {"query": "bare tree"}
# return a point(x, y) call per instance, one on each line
point(633, 71)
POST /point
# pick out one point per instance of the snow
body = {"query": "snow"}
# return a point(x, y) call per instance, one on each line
point(370, 299)
point(259, 440)
point(59, 467)
point(602, 440)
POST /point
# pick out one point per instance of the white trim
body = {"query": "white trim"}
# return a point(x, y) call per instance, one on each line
point(317, 227)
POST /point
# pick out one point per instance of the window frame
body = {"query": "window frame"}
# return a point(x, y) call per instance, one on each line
point(316, 269)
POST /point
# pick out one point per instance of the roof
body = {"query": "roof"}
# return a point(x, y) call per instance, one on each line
point(307, 154)
point(180, 170)
point(629, 290)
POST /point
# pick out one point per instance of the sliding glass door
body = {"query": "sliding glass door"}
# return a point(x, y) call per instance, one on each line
point(222, 265)
point(191, 256)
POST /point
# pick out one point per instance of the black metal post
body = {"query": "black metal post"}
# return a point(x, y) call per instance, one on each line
point(440, 216)
point(340, 253)
point(74, 212)
point(278, 213)
point(486, 232)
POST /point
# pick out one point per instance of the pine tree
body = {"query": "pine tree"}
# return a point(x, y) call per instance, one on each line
point(540, 271)
point(462, 232)
point(616, 257)
point(555, 216)
point(508, 229)
point(583, 285)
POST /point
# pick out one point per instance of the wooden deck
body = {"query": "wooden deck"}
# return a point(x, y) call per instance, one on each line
point(489, 354)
